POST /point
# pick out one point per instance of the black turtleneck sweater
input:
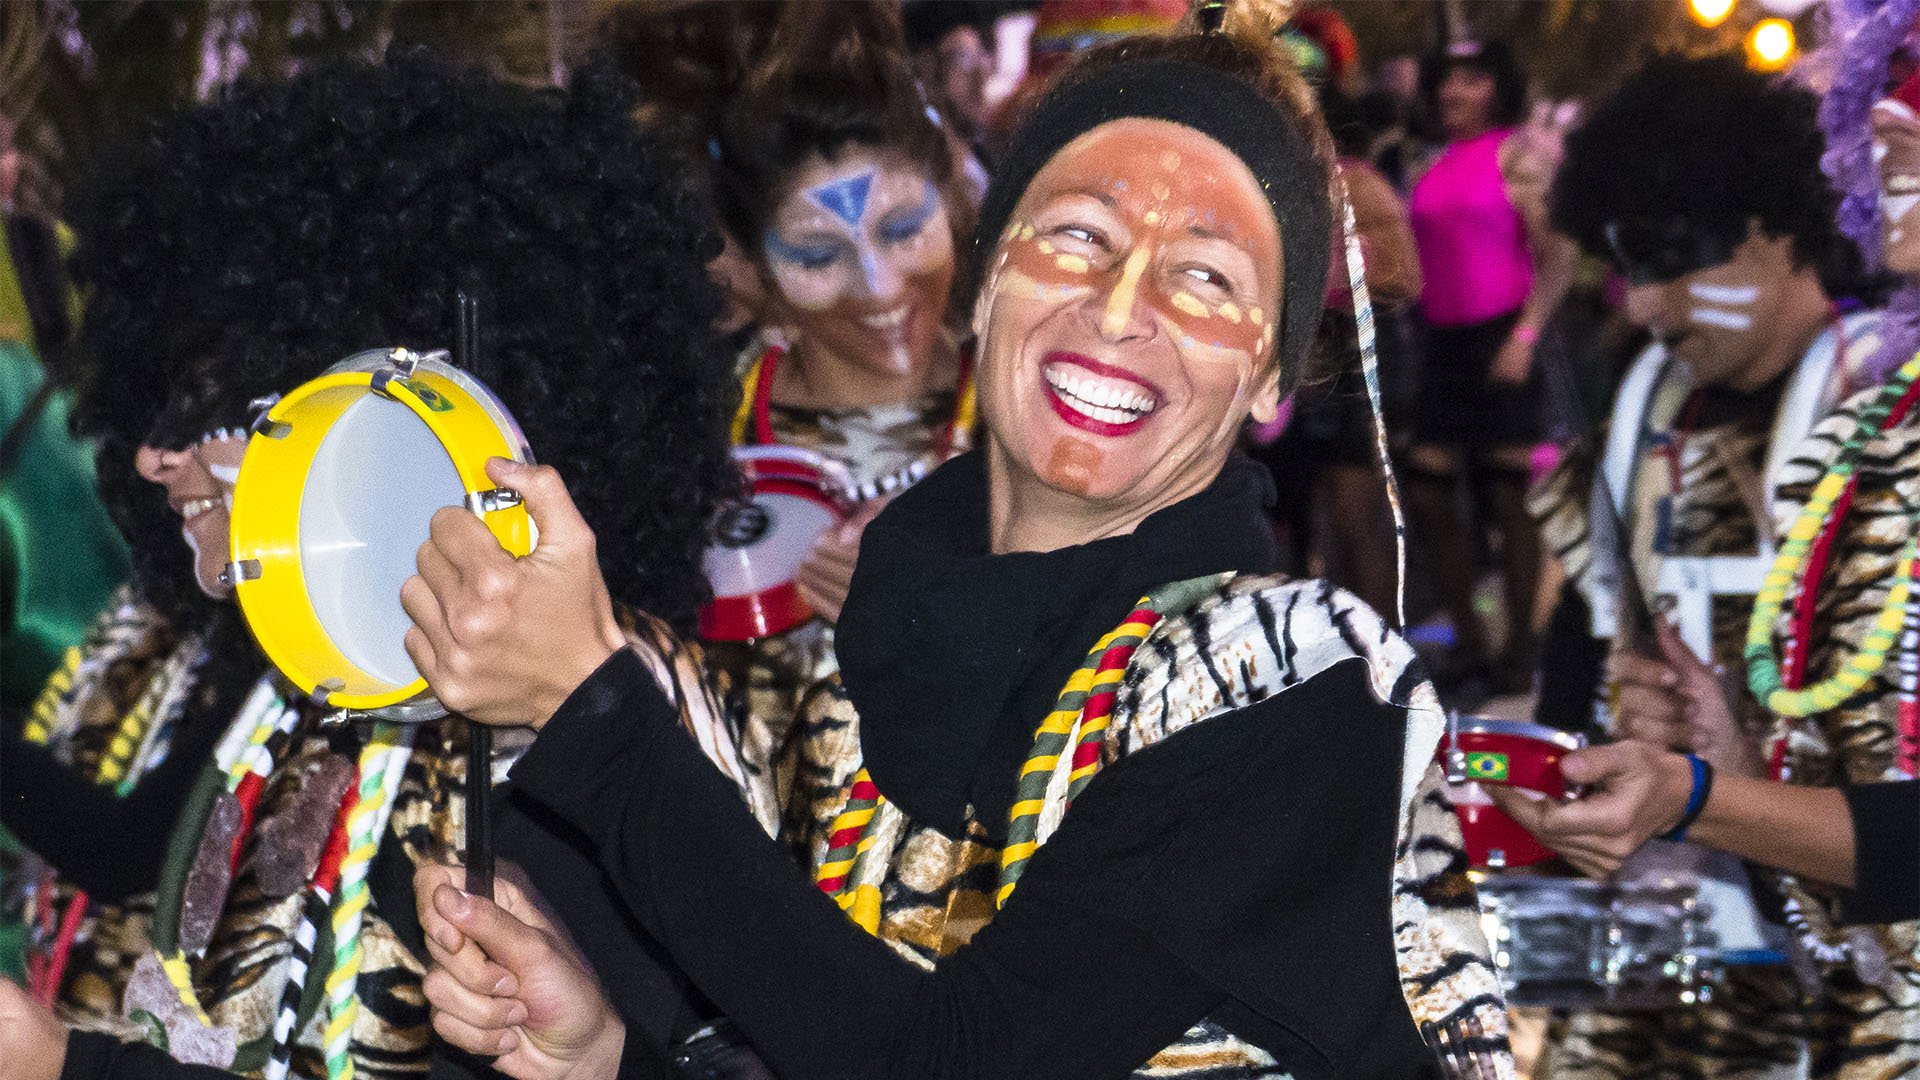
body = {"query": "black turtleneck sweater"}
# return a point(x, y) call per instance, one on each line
point(1239, 871)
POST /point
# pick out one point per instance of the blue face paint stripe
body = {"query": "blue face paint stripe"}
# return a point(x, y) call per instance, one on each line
point(915, 219)
point(777, 248)
point(845, 199)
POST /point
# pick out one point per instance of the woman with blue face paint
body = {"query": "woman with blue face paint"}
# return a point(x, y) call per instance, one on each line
point(832, 171)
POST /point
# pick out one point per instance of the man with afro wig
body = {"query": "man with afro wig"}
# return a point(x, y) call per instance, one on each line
point(1700, 181)
point(236, 250)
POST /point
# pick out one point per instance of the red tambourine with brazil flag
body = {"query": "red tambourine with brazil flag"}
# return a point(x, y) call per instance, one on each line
point(1480, 750)
point(758, 544)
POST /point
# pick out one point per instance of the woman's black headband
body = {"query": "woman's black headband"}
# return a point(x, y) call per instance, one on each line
point(1219, 105)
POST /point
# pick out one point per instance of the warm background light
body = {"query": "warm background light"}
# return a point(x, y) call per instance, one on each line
point(1770, 45)
point(1711, 13)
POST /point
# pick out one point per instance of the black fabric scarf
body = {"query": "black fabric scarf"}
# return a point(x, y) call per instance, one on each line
point(952, 654)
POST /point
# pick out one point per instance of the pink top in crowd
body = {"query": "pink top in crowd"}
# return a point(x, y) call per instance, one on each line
point(1473, 244)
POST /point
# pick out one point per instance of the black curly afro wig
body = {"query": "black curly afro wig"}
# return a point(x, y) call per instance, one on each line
point(1714, 144)
point(240, 248)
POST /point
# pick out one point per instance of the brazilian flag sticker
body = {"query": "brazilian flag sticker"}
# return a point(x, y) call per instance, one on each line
point(1484, 765)
point(429, 397)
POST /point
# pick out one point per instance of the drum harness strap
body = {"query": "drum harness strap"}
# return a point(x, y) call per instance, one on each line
point(1064, 758)
point(754, 418)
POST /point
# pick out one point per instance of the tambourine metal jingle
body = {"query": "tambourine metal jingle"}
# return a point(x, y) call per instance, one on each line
point(336, 492)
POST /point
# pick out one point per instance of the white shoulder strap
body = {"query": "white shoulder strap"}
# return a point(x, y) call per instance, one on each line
point(1629, 415)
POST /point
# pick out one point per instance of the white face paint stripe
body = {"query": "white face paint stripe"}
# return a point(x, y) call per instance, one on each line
point(1730, 320)
point(1895, 207)
point(226, 474)
point(1724, 294)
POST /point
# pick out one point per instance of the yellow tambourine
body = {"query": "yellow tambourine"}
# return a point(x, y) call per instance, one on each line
point(340, 481)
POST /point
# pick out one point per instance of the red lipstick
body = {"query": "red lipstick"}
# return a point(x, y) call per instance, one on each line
point(1081, 420)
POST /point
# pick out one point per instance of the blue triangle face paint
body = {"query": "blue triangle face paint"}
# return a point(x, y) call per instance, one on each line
point(846, 199)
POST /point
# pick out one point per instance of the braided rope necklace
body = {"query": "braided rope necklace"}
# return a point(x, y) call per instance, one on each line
point(382, 762)
point(1835, 489)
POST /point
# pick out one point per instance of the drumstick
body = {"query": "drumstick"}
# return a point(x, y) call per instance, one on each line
point(479, 810)
point(466, 356)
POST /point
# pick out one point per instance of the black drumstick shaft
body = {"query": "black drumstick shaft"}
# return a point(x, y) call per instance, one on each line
point(479, 809)
point(466, 357)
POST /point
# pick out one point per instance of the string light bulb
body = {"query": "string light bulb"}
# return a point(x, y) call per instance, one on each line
point(1711, 13)
point(1770, 45)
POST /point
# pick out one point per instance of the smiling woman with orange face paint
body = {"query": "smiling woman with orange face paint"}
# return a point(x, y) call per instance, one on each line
point(1096, 791)
point(1128, 321)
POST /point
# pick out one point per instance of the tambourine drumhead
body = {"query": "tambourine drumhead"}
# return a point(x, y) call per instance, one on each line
point(334, 499)
point(759, 544)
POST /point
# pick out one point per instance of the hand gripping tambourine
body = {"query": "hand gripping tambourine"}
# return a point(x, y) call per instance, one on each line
point(758, 544)
point(1489, 750)
point(339, 484)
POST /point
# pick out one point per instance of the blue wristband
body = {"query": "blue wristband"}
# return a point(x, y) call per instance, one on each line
point(1696, 802)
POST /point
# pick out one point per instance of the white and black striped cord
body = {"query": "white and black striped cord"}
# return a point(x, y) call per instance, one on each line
point(313, 911)
point(1370, 372)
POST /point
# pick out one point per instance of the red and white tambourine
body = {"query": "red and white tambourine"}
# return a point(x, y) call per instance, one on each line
point(758, 545)
point(1481, 750)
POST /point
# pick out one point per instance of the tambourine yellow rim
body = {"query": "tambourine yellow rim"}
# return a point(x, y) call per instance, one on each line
point(266, 519)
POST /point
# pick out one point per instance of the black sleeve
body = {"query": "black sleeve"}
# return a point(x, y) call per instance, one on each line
point(1886, 852)
point(1062, 983)
point(641, 980)
point(110, 846)
point(94, 1056)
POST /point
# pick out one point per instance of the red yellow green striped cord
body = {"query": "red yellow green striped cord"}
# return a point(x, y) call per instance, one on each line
point(1079, 720)
point(39, 726)
point(1764, 677)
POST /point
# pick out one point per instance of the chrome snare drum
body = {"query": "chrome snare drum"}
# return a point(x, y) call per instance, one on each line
point(1572, 942)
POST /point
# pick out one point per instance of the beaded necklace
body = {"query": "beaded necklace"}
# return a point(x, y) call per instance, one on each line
point(1821, 515)
point(1050, 774)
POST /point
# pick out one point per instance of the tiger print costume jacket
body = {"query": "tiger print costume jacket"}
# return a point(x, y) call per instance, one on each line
point(112, 985)
point(1254, 637)
point(1871, 973)
point(771, 674)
